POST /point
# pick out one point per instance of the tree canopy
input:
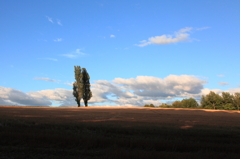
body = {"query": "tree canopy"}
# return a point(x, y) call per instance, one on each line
point(87, 94)
point(81, 87)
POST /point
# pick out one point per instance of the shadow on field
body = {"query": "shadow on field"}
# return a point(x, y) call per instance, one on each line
point(28, 132)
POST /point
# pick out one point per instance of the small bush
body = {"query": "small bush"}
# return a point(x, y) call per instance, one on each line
point(163, 105)
point(151, 105)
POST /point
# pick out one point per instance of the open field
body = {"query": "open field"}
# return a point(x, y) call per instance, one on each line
point(37, 132)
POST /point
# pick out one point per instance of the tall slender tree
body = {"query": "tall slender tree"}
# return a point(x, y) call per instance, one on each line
point(87, 94)
point(75, 93)
point(78, 85)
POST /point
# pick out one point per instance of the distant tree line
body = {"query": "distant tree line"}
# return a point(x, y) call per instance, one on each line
point(225, 101)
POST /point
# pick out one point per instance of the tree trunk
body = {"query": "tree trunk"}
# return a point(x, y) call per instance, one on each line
point(86, 103)
point(79, 103)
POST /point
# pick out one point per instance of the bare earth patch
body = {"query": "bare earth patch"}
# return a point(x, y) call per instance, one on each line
point(113, 132)
point(182, 118)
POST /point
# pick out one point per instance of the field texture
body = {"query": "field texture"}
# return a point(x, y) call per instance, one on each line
point(37, 132)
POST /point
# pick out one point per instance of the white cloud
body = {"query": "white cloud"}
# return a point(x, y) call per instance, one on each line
point(107, 90)
point(58, 40)
point(59, 22)
point(172, 85)
point(179, 36)
point(12, 96)
point(6, 102)
point(49, 19)
point(112, 36)
point(127, 92)
point(223, 83)
point(234, 90)
point(206, 91)
point(144, 89)
point(119, 92)
point(45, 79)
point(154, 102)
point(57, 94)
point(220, 75)
point(74, 54)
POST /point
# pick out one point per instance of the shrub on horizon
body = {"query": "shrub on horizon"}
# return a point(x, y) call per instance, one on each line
point(151, 105)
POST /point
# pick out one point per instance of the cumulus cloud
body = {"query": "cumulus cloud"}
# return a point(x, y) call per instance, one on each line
point(179, 36)
point(74, 54)
point(57, 94)
point(234, 90)
point(223, 83)
point(118, 92)
point(144, 89)
point(6, 102)
point(58, 40)
point(45, 79)
point(206, 91)
point(109, 94)
point(172, 85)
point(220, 75)
point(105, 91)
point(12, 96)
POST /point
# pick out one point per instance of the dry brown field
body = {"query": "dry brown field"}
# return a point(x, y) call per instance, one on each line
point(113, 132)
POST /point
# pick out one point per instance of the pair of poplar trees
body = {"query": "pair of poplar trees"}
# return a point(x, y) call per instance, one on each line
point(81, 87)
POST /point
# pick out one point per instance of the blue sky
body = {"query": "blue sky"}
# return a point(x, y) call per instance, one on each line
point(136, 51)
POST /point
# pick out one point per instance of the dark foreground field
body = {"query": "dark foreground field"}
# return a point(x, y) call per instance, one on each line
point(115, 133)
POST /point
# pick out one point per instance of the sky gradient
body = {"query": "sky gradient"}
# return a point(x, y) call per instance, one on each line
point(136, 52)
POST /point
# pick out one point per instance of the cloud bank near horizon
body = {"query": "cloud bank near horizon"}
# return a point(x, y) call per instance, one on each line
point(119, 92)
